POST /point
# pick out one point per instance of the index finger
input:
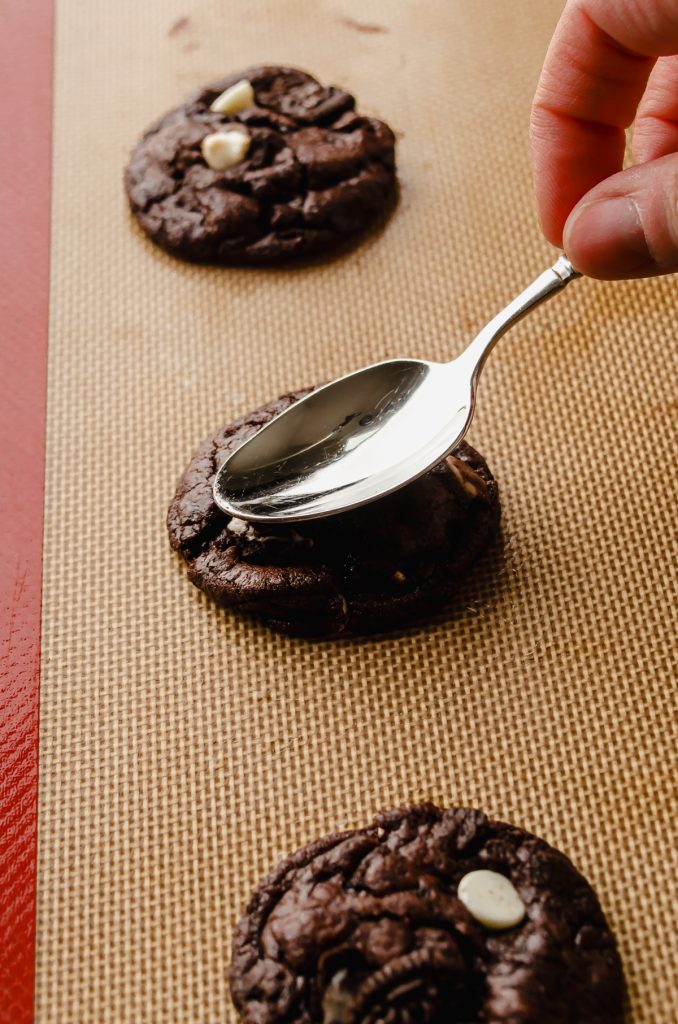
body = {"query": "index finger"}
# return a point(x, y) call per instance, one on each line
point(594, 76)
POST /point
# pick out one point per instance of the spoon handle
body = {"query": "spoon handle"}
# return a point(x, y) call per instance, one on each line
point(547, 284)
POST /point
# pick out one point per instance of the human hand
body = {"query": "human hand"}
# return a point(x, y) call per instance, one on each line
point(610, 61)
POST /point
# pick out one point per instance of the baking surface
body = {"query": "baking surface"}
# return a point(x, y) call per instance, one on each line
point(183, 750)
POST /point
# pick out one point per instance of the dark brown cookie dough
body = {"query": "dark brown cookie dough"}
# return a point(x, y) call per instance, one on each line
point(365, 927)
point(316, 173)
point(360, 571)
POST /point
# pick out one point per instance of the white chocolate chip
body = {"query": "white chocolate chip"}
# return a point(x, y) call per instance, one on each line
point(492, 899)
point(338, 999)
point(237, 526)
point(238, 97)
point(297, 538)
point(222, 150)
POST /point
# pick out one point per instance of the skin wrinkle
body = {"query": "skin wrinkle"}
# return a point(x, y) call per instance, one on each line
point(659, 138)
point(671, 195)
point(659, 197)
point(647, 29)
point(609, 41)
point(658, 113)
point(631, 70)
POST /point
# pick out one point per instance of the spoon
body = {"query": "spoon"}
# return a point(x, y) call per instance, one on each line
point(368, 433)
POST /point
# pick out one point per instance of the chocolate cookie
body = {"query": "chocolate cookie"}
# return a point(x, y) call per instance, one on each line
point(360, 571)
point(264, 166)
point(426, 916)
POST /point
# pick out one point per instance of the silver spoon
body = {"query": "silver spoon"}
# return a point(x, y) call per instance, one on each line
point(366, 434)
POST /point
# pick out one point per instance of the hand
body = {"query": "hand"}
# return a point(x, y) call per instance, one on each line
point(610, 61)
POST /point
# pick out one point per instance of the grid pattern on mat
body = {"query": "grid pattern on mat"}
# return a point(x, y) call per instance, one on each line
point(183, 750)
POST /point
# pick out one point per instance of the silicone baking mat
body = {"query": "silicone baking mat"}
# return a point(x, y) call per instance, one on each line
point(184, 750)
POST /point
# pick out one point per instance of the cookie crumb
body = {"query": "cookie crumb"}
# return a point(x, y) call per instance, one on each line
point(363, 26)
point(180, 25)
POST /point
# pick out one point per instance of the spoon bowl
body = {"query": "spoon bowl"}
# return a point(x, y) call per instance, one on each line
point(325, 447)
point(368, 433)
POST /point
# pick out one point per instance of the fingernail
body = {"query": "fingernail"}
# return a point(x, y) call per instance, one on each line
point(605, 238)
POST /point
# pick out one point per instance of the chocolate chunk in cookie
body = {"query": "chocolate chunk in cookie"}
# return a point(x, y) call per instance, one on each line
point(372, 927)
point(262, 167)
point(357, 572)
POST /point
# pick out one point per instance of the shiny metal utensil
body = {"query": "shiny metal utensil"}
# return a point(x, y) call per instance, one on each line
point(368, 433)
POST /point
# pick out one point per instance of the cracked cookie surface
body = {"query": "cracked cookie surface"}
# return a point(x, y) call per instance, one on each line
point(315, 175)
point(364, 570)
point(365, 927)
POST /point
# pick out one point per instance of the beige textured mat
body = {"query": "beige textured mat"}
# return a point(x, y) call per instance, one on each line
point(182, 749)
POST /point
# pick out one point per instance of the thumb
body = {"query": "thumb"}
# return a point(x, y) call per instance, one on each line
point(627, 226)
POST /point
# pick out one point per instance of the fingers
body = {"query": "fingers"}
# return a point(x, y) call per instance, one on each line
point(563, 167)
point(656, 130)
point(627, 226)
point(588, 93)
point(600, 68)
point(593, 79)
point(648, 27)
